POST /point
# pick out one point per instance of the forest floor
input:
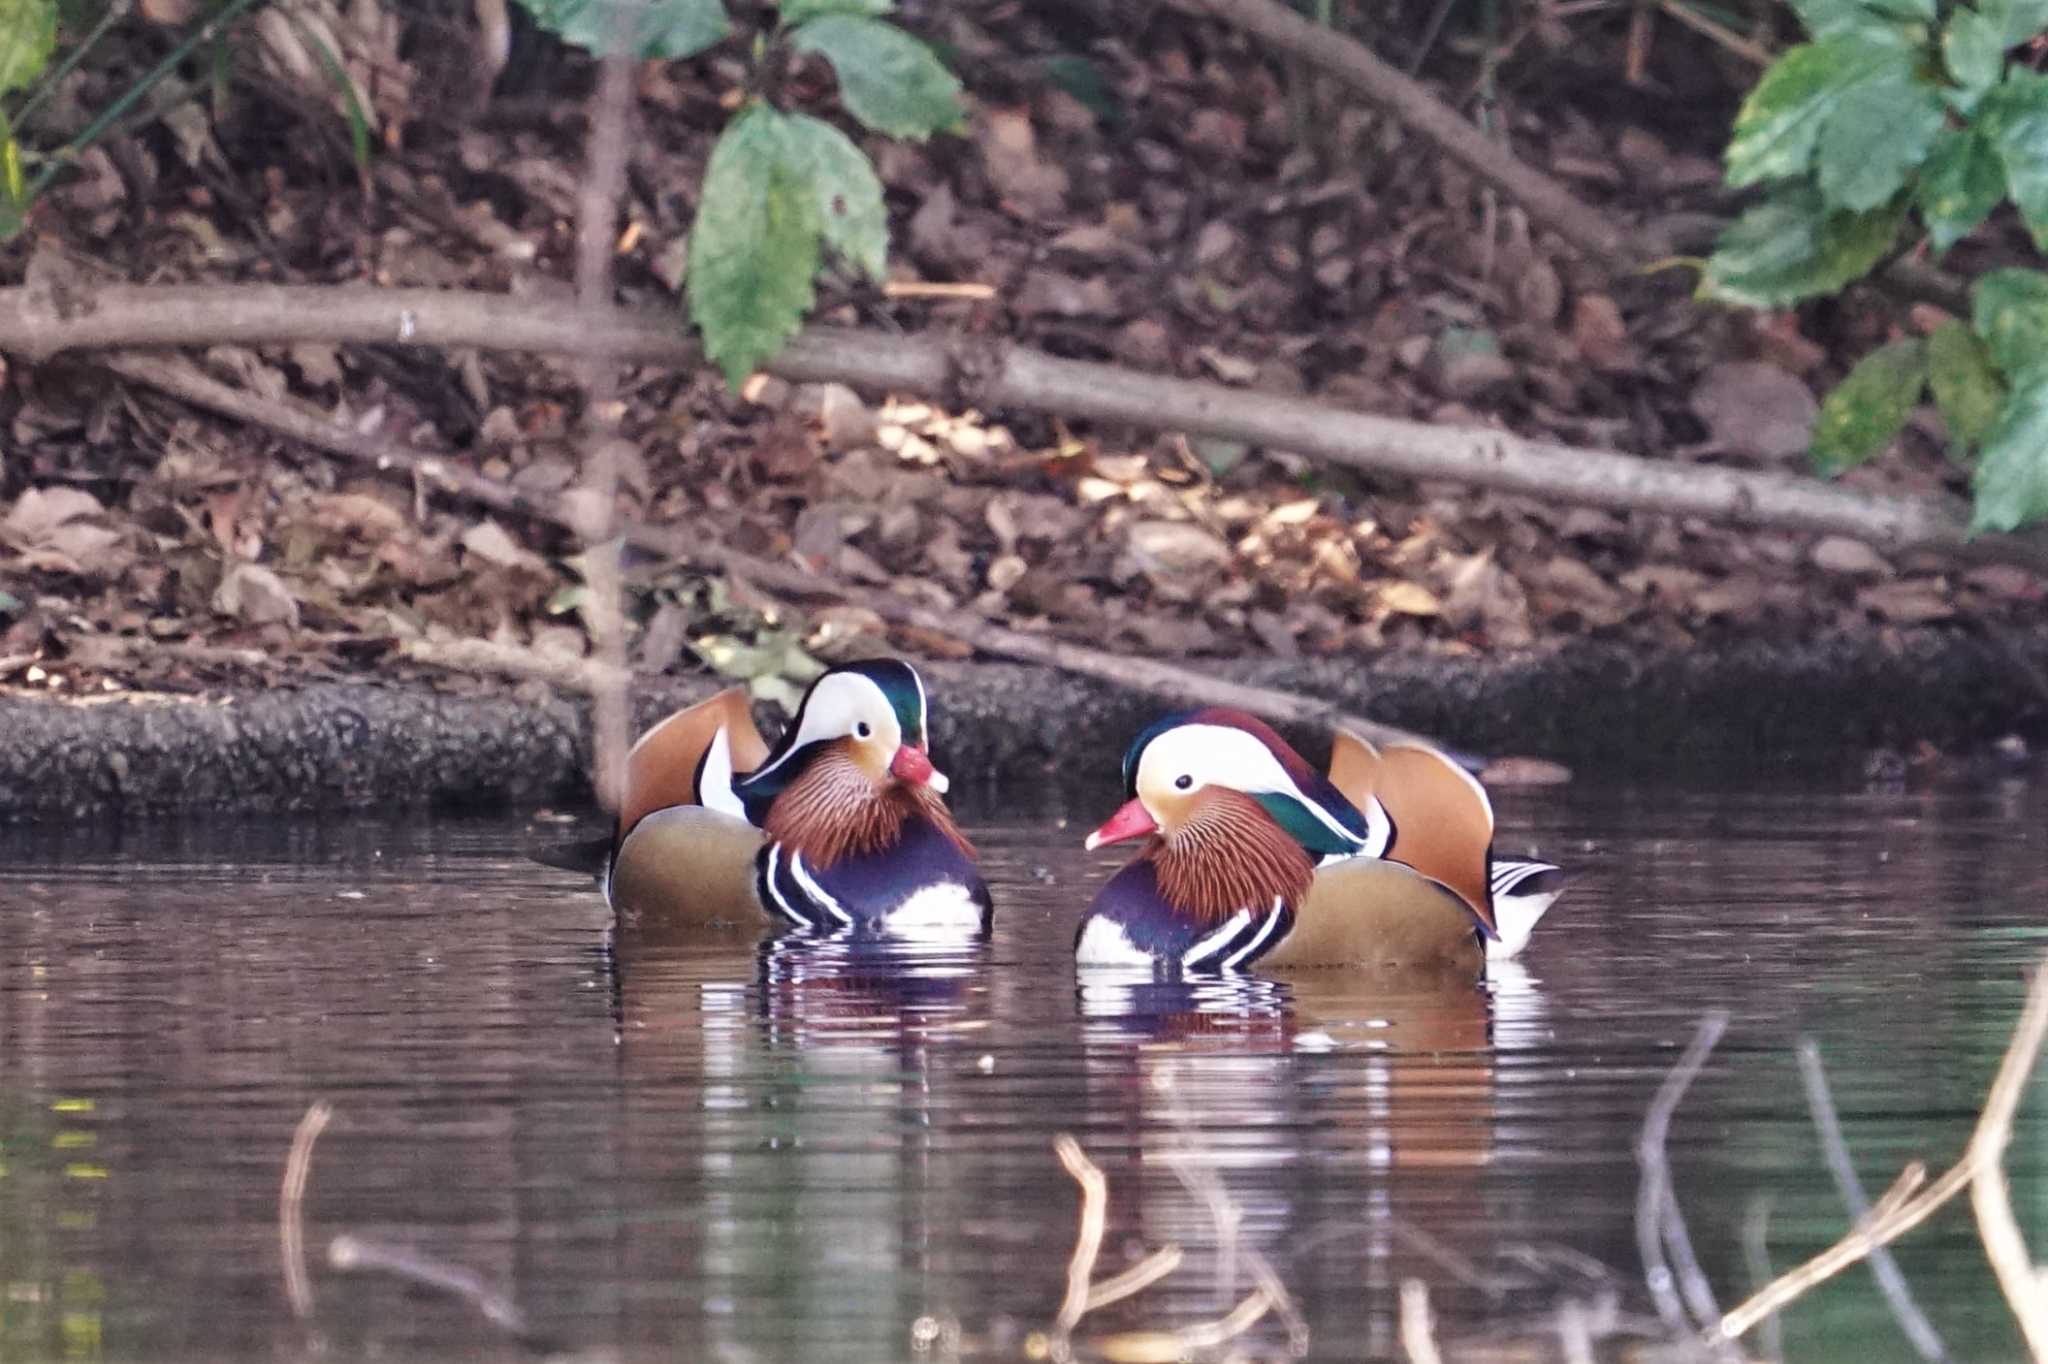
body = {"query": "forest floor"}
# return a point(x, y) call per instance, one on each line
point(1164, 196)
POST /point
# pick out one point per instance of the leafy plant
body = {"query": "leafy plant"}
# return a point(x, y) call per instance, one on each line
point(783, 188)
point(28, 39)
point(1895, 116)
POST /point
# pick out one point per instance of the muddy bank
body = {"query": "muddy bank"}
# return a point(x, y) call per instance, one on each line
point(1600, 708)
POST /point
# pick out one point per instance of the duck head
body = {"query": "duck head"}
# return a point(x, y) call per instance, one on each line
point(852, 766)
point(1233, 815)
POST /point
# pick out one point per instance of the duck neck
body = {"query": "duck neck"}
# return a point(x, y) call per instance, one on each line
point(834, 810)
point(1230, 855)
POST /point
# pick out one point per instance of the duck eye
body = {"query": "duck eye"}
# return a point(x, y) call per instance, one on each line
point(1183, 782)
point(863, 729)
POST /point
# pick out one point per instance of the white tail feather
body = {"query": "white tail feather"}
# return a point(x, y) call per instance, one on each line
point(1522, 893)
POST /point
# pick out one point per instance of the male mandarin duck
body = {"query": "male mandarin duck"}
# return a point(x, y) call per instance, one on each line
point(842, 825)
point(1254, 857)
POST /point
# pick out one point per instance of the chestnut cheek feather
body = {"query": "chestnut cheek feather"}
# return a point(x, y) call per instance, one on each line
point(1229, 855)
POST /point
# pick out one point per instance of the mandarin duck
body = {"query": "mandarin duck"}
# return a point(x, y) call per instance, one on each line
point(841, 825)
point(1253, 857)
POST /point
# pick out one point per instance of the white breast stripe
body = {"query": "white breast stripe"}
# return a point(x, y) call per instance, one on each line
point(1258, 939)
point(789, 911)
point(1104, 943)
point(818, 893)
point(1379, 828)
point(714, 786)
point(1216, 940)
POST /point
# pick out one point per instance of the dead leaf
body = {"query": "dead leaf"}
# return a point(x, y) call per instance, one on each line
point(52, 530)
point(1754, 408)
point(1852, 558)
point(255, 595)
point(1408, 599)
point(487, 540)
point(1174, 547)
point(1909, 601)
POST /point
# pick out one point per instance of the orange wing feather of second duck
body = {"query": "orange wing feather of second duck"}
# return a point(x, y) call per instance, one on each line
point(1443, 822)
point(661, 769)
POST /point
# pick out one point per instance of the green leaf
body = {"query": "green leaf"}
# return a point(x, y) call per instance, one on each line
point(1966, 388)
point(648, 28)
point(850, 208)
point(1876, 137)
point(1791, 246)
point(1084, 80)
point(2009, 310)
point(1781, 121)
point(795, 12)
point(1869, 407)
point(887, 79)
point(2011, 481)
point(1961, 182)
point(1881, 19)
point(754, 246)
point(2018, 20)
point(28, 34)
point(1974, 48)
point(2014, 119)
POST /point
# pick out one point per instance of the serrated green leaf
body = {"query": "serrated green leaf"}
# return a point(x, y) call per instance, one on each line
point(1961, 182)
point(1974, 48)
point(1781, 121)
point(1884, 20)
point(643, 28)
point(1966, 388)
point(2011, 481)
point(887, 79)
point(2009, 311)
point(754, 246)
point(854, 219)
point(28, 35)
point(1876, 136)
point(1791, 246)
point(1869, 406)
point(795, 12)
point(2018, 20)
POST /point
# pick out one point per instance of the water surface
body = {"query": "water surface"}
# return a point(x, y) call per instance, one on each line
point(814, 1150)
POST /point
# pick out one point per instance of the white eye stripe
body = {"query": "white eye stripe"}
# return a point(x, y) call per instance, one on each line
point(835, 706)
point(1220, 755)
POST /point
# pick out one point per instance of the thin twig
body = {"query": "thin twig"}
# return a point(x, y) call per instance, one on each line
point(1756, 1258)
point(1165, 1347)
point(1136, 1279)
point(1745, 48)
point(1897, 1212)
point(1991, 1193)
point(1418, 1325)
point(1087, 1236)
point(1920, 1332)
point(1657, 1217)
point(291, 1207)
point(353, 1252)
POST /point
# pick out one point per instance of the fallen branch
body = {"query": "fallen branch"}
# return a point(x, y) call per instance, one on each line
point(696, 550)
point(1990, 1192)
point(1411, 102)
point(1614, 244)
point(42, 320)
point(1891, 1280)
point(291, 1204)
point(1660, 1226)
point(1418, 1324)
point(1906, 1205)
point(355, 1253)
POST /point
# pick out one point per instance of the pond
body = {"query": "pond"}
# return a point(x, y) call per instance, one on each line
point(810, 1151)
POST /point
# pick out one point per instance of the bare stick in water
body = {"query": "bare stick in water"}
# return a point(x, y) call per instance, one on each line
point(1991, 1193)
point(291, 1203)
point(1087, 1237)
point(1926, 1341)
point(1902, 1209)
point(1658, 1221)
point(1136, 1279)
point(352, 1252)
point(1418, 1324)
point(1756, 1258)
